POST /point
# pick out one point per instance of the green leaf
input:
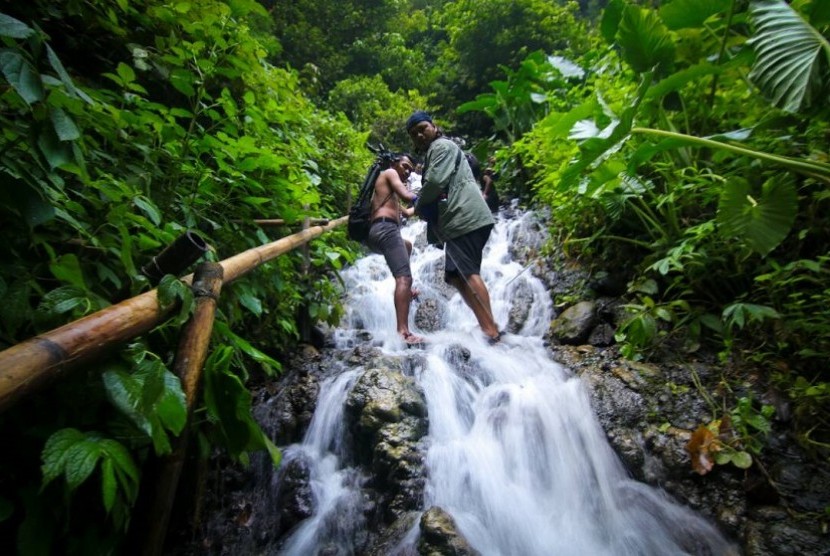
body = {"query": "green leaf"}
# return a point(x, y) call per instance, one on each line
point(65, 128)
point(81, 459)
point(594, 151)
point(762, 224)
point(681, 78)
point(125, 72)
point(171, 405)
point(21, 75)
point(788, 67)
point(170, 290)
point(109, 487)
point(251, 302)
point(56, 64)
point(819, 13)
point(125, 392)
point(273, 451)
point(723, 457)
point(120, 456)
point(684, 14)
point(228, 401)
point(56, 152)
point(246, 347)
point(148, 208)
point(645, 41)
point(742, 460)
point(14, 28)
point(183, 80)
point(54, 452)
point(68, 269)
point(611, 16)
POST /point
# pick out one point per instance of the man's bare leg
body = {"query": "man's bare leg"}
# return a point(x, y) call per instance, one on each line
point(403, 298)
point(474, 292)
point(408, 244)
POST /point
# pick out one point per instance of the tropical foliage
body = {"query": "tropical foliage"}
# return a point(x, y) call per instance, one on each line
point(696, 151)
point(685, 143)
point(124, 125)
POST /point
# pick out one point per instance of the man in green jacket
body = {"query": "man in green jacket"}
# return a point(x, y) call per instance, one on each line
point(463, 220)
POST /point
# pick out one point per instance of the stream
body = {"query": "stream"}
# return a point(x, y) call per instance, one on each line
point(513, 451)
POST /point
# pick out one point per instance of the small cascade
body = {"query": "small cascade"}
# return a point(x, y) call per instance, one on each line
point(513, 451)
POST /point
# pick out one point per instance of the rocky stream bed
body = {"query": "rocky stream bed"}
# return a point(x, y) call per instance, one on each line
point(648, 410)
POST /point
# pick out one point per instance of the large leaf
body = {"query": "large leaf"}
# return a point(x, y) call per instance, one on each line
point(645, 41)
point(21, 75)
point(760, 223)
point(54, 452)
point(683, 14)
point(681, 78)
point(14, 28)
point(596, 150)
point(611, 16)
point(229, 404)
point(790, 67)
point(65, 128)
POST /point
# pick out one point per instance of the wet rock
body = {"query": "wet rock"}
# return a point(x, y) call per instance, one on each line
point(393, 536)
point(615, 403)
point(286, 413)
point(575, 323)
point(602, 335)
point(440, 536)
point(386, 413)
point(431, 314)
point(773, 534)
point(294, 497)
point(521, 304)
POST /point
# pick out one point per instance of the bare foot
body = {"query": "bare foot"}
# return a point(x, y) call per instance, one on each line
point(411, 339)
point(415, 293)
point(493, 340)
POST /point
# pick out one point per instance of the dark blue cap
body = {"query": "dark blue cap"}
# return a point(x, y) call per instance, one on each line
point(416, 118)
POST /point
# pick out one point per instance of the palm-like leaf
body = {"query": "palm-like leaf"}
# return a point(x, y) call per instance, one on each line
point(789, 67)
point(763, 223)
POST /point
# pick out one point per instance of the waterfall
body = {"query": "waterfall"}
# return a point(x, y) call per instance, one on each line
point(514, 452)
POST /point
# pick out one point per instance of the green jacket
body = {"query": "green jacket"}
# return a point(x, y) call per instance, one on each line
point(464, 209)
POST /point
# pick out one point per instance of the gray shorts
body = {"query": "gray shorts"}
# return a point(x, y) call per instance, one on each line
point(385, 239)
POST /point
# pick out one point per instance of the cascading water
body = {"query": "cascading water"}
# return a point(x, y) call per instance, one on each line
point(514, 452)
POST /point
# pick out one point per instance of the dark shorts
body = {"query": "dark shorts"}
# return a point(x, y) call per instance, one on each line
point(385, 239)
point(463, 254)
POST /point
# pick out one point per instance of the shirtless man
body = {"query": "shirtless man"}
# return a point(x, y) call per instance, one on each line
point(385, 237)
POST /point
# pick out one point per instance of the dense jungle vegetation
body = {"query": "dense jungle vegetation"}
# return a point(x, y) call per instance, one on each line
point(684, 143)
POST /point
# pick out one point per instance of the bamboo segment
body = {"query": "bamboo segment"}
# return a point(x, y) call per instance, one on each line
point(29, 365)
point(282, 222)
point(244, 262)
point(192, 351)
point(190, 357)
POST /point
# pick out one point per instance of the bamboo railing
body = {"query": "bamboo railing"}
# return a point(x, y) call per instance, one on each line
point(160, 491)
point(30, 365)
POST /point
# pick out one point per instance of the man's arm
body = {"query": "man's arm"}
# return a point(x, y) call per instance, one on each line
point(399, 187)
point(487, 180)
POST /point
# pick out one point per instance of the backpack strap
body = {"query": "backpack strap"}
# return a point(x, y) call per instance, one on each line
point(454, 170)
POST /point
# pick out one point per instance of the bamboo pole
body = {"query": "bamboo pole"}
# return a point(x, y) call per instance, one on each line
point(190, 358)
point(282, 222)
point(29, 365)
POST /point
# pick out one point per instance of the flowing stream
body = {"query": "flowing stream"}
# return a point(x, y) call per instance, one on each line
point(515, 453)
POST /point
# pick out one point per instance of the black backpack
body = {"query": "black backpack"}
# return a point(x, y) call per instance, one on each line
point(360, 215)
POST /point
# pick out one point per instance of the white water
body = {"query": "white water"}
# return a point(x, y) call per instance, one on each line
point(515, 454)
